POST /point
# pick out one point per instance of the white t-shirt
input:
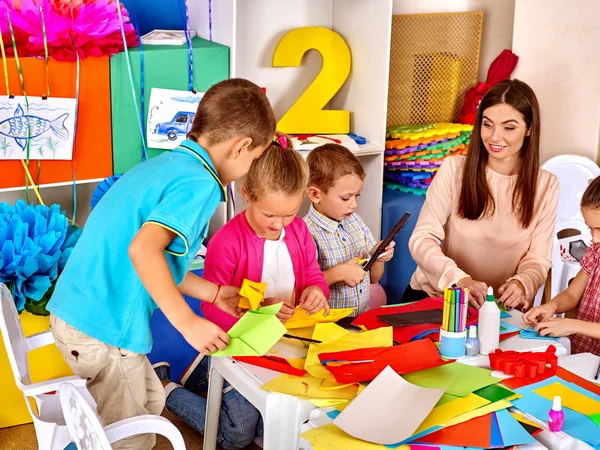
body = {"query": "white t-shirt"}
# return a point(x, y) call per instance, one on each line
point(278, 271)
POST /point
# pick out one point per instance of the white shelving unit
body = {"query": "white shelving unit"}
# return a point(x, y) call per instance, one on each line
point(252, 29)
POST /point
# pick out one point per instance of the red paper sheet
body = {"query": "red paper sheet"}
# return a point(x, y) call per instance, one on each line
point(273, 363)
point(472, 433)
point(402, 335)
point(405, 358)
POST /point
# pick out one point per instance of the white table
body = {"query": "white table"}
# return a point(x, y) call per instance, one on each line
point(288, 413)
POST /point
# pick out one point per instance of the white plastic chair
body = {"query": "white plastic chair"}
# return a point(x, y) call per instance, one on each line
point(86, 430)
point(48, 421)
point(574, 175)
point(283, 415)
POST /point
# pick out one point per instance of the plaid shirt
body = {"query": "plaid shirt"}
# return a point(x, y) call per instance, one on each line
point(337, 243)
point(589, 307)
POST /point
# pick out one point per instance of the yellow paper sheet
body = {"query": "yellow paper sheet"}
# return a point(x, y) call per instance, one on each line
point(448, 411)
point(496, 406)
point(252, 294)
point(521, 418)
point(300, 319)
point(336, 339)
point(570, 399)
point(331, 437)
point(310, 388)
point(327, 403)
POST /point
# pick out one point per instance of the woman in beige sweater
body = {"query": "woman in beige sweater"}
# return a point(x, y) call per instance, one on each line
point(488, 218)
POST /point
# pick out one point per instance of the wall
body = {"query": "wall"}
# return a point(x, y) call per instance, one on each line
point(560, 59)
point(497, 22)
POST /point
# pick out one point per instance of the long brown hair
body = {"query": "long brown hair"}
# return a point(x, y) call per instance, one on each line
point(475, 199)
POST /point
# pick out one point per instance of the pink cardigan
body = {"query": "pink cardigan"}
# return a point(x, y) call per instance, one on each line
point(235, 252)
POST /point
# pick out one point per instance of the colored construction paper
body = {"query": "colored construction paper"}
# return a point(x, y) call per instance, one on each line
point(464, 378)
point(330, 437)
point(495, 437)
point(379, 414)
point(504, 315)
point(570, 399)
point(255, 333)
point(309, 388)
point(595, 418)
point(433, 316)
point(486, 409)
point(576, 424)
point(273, 363)
point(494, 392)
point(403, 359)
point(474, 433)
point(300, 319)
point(336, 339)
point(506, 327)
point(531, 334)
point(511, 430)
point(252, 294)
point(402, 335)
point(441, 415)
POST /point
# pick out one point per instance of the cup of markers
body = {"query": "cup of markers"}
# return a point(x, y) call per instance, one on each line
point(453, 334)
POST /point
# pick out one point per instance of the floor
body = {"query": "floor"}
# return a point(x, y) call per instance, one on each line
point(23, 437)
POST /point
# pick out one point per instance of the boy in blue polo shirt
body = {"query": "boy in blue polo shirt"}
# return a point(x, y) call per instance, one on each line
point(136, 248)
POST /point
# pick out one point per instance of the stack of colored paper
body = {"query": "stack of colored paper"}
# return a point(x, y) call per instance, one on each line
point(414, 153)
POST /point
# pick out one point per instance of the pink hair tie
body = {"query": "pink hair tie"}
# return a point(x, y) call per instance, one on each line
point(281, 140)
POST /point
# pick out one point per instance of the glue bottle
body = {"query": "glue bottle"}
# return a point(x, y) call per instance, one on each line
point(489, 324)
point(472, 341)
point(556, 417)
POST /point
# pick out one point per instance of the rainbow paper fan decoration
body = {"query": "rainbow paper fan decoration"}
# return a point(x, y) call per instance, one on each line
point(414, 153)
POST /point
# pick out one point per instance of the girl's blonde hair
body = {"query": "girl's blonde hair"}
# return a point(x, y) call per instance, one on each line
point(279, 169)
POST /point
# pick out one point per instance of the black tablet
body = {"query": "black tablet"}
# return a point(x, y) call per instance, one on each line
point(389, 238)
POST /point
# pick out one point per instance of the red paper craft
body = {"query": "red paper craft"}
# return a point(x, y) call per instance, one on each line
point(475, 432)
point(525, 364)
point(405, 358)
point(402, 335)
point(273, 363)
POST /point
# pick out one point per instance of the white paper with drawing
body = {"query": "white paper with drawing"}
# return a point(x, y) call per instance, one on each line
point(170, 116)
point(48, 125)
point(389, 410)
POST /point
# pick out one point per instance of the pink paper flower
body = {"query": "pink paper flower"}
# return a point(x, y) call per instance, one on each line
point(93, 29)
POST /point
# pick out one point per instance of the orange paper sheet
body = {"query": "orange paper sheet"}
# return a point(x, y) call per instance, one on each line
point(473, 433)
point(93, 143)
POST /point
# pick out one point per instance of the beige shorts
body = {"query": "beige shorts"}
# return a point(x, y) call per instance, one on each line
point(123, 383)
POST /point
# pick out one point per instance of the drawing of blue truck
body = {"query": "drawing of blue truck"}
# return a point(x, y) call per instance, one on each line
point(179, 125)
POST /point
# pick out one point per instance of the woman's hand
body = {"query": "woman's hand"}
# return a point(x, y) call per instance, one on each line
point(512, 295)
point(477, 290)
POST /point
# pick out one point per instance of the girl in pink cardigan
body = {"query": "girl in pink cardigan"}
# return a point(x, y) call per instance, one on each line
point(268, 243)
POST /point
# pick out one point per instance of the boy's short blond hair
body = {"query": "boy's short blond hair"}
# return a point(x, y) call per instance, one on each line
point(234, 108)
point(328, 163)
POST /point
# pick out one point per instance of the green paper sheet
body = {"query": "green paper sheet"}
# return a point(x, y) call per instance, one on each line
point(255, 333)
point(494, 392)
point(595, 418)
point(165, 66)
point(465, 379)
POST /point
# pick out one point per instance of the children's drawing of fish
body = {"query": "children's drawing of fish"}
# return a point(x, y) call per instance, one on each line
point(17, 126)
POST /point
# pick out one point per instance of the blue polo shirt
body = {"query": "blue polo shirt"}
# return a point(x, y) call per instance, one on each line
point(99, 291)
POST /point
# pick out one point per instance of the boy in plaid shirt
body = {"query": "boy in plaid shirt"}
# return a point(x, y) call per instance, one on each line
point(584, 290)
point(342, 238)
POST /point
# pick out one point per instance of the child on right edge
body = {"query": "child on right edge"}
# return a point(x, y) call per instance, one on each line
point(342, 238)
point(584, 290)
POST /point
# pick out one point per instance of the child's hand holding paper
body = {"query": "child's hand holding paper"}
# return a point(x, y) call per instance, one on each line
point(286, 311)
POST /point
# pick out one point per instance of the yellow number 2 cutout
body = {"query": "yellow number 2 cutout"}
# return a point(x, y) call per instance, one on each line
point(307, 114)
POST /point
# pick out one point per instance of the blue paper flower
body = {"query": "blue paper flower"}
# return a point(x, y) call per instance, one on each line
point(35, 243)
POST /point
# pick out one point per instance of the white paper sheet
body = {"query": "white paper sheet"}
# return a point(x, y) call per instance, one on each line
point(389, 410)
